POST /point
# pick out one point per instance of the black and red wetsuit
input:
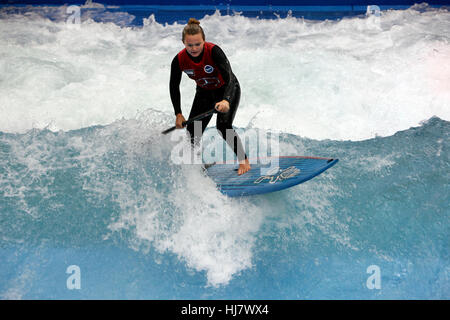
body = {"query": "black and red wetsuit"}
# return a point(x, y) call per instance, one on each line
point(215, 80)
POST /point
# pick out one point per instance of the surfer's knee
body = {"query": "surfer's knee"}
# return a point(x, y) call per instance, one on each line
point(226, 131)
point(222, 129)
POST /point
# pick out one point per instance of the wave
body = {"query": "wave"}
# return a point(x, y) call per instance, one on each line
point(115, 185)
point(350, 79)
point(86, 176)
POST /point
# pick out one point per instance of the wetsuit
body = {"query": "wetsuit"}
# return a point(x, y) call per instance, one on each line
point(215, 82)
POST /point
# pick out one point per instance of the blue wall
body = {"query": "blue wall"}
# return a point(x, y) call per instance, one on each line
point(170, 11)
point(236, 2)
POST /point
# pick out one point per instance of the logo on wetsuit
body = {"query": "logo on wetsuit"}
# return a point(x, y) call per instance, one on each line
point(208, 69)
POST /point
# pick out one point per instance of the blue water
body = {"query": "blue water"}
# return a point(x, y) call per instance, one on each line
point(87, 180)
point(386, 203)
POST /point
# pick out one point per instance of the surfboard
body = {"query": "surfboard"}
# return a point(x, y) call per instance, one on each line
point(267, 174)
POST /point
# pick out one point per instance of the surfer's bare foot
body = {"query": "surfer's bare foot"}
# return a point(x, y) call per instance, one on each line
point(244, 166)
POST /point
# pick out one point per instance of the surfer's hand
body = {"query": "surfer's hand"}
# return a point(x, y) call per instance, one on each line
point(223, 106)
point(179, 121)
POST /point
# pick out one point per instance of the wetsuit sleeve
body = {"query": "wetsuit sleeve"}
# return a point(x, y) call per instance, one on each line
point(174, 85)
point(221, 61)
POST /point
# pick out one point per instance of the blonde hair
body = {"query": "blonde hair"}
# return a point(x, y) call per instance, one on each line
point(192, 28)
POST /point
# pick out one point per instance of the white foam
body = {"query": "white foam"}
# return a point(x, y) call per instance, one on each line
point(202, 227)
point(347, 79)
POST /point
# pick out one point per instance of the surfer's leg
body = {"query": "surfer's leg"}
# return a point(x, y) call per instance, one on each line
point(224, 125)
point(201, 104)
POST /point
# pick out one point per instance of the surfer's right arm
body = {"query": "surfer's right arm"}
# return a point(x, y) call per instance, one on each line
point(175, 95)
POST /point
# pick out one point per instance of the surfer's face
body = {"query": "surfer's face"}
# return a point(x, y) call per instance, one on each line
point(194, 44)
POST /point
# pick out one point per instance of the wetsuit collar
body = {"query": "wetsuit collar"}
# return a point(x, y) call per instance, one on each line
point(196, 59)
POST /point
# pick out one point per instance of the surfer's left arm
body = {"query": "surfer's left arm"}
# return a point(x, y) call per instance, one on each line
point(221, 60)
point(174, 85)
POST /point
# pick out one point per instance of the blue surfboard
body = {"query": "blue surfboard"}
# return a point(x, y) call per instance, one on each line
point(271, 174)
